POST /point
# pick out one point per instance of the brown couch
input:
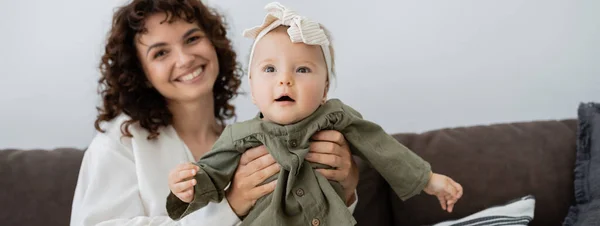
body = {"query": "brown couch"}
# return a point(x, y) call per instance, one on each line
point(494, 163)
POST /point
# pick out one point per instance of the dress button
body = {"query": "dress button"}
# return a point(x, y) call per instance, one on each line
point(300, 192)
point(316, 222)
point(293, 143)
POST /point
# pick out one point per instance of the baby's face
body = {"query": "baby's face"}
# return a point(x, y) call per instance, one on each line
point(288, 80)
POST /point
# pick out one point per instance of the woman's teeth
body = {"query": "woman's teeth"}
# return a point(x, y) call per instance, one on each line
point(192, 75)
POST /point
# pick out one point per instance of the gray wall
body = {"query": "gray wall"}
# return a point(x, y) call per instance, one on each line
point(411, 66)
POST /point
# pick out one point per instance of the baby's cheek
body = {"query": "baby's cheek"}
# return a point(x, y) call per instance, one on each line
point(317, 93)
point(262, 96)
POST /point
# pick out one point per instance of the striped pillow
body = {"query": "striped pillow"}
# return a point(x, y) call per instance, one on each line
point(516, 212)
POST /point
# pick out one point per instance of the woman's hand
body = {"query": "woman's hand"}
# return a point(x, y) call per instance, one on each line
point(255, 166)
point(329, 147)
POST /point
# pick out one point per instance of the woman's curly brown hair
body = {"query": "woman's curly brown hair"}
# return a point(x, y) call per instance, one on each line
point(123, 85)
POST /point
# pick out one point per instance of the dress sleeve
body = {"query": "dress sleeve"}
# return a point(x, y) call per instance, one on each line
point(405, 171)
point(217, 168)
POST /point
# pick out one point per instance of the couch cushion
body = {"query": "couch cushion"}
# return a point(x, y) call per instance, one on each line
point(37, 186)
point(586, 210)
point(495, 164)
point(514, 213)
point(374, 206)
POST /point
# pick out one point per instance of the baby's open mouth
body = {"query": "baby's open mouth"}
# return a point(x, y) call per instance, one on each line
point(284, 98)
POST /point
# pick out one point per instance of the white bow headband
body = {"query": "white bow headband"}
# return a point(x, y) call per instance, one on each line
point(301, 29)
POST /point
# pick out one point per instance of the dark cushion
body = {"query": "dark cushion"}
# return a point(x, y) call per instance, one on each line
point(586, 210)
point(38, 186)
point(495, 164)
point(373, 206)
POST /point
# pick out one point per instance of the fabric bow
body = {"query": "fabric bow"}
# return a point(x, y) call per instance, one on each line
point(301, 29)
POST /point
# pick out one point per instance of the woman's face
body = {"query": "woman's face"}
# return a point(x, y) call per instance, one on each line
point(178, 59)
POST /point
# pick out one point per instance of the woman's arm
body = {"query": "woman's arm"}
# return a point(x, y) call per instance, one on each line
point(213, 214)
point(329, 147)
point(107, 189)
point(254, 167)
point(107, 192)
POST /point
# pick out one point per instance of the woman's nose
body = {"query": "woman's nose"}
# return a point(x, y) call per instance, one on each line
point(184, 60)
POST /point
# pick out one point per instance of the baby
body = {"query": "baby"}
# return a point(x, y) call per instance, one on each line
point(290, 69)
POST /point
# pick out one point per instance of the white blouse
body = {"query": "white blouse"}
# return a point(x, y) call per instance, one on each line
point(124, 180)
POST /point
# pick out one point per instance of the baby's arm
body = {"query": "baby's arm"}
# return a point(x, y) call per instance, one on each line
point(215, 170)
point(406, 172)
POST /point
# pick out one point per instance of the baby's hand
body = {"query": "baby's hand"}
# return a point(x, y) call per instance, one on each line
point(445, 189)
point(181, 181)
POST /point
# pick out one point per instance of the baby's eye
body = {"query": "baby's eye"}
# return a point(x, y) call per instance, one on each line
point(269, 69)
point(303, 70)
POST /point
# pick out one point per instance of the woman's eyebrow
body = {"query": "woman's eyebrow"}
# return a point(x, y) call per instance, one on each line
point(190, 32)
point(154, 46)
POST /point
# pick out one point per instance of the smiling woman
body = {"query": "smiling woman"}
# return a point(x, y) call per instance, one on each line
point(166, 57)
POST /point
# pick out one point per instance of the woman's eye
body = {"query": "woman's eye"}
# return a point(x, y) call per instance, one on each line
point(159, 54)
point(269, 69)
point(192, 39)
point(303, 70)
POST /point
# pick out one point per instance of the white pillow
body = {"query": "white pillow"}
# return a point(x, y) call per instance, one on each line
point(516, 212)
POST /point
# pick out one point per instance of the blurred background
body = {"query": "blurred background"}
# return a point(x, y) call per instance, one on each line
point(411, 66)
